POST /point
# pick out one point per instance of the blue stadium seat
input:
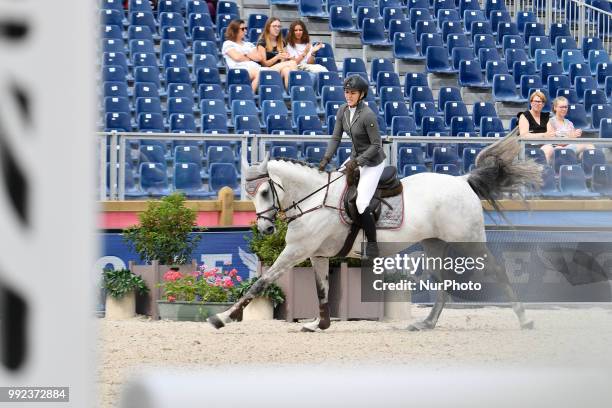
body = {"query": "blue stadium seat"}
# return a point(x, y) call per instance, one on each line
point(227, 7)
point(481, 110)
point(328, 79)
point(147, 74)
point(524, 17)
point(113, 32)
point(201, 33)
point(513, 41)
point(222, 175)
point(564, 157)
point(480, 28)
point(115, 59)
point(176, 61)
point(314, 154)
point(353, 65)
point(270, 93)
point(154, 180)
point(529, 82)
point(117, 89)
point(311, 8)
point(559, 30)
point(444, 155)
point(468, 5)
point(449, 28)
point(584, 84)
point(398, 26)
point(390, 94)
point(273, 108)
point(400, 125)
point(549, 69)
point(302, 108)
point(140, 6)
point(187, 180)
point(430, 40)
point(602, 179)
point(243, 108)
point(143, 18)
point(308, 124)
point(247, 124)
point(418, 14)
point(452, 109)
point(197, 6)
point(238, 76)
point(448, 94)
point(500, 16)
point(603, 71)
point(590, 158)
point(170, 6)
point(144, 59)
point(461, 124)
point(119, 121)
point(470, 75)
point(175, 34)
point(572, 181)
point(289, 152)
point(180, 91)
point(569, 94)
point(577, 114)
point(594, 97)
point(430, 124)
point(364, 12)
point(391, 13)
point(490, 125)
point(405, 48)
point(521, 68)
point(462, 54)
point(182, 123)
point(204, 61)
point(470, 17)
point(216, 122)
point(536, 154)
point(150, 122)
point(278, 123)
point(597, 57)
point(393, 109)
point(257, 20)
point(539, 43)
point(199, 20)
point(590, 43)
point(300, 78)
point(600, 113)
point(332, 94)
point(270, 78)
point(409, 155)
point(505, 29)
point(414, 79)
point(111, 17)
point(514, 55)
point(111, 5)
point(436, 60)
point(483, 41)
point(468, 159)
point(494, 5)
point(532, 29)
point(569, 57)
point(170, 19)
point(178, 76)
point(546, 56)
point(303, 93)
point(152, 154)
point(341, 19)
point(212, 107)
point(380, 65)
point(564, 43)
point(114, 73)
point(577, 70)
point(179, 105)
point(211, 91)
point(420, 94)
point(504, 89)
point(412, 169)
point(457, 40)
point(116, 104)
point(241, 93)
point(556, 82)
point(449, 169)
point(425, 27)
point(443, 5)
point(423, 110)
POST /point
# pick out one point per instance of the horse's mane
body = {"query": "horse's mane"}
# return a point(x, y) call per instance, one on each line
point(294, 161)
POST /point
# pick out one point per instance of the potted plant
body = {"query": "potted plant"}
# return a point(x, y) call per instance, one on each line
point(163, 239)
point(262, 307)
point(197, 295)
point(121, 287)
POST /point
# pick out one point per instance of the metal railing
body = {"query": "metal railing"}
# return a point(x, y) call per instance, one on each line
point(253, 149)
point(584, 20)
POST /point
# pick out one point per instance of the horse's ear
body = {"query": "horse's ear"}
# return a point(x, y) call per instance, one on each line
point(263, 166)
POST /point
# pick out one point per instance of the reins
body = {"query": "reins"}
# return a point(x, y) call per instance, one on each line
point(282, 212)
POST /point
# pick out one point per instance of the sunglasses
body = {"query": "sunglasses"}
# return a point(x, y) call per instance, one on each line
point(534, 101)
point(243, 28)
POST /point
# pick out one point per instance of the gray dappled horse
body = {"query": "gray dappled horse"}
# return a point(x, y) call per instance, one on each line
point(437, 208)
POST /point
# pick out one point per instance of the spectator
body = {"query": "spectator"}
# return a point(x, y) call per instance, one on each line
point(533, 122)
point(272, 52)
point(239, 53)
point(558, 126)
point(302, 51)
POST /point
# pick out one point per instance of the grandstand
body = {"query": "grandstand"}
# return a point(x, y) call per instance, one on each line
point(456, 71)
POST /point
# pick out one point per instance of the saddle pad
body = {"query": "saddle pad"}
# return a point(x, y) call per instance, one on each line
point(390, 218)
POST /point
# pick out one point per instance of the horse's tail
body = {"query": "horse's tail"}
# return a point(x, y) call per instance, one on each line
point(499, 171)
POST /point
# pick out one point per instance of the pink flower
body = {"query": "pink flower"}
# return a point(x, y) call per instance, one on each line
point(233, 272)
point(229, 284)
point(227, 263)
point(238, 278)
point(172, 275)
point(218, 280)
point(208, 274)
point(171, 299)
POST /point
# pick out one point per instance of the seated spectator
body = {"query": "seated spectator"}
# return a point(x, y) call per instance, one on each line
point(272, 50)
point(534, 122)
point(239, 53)
point(301, 50)
point(559, 126)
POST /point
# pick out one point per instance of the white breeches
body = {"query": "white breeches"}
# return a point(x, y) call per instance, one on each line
point(368, 180)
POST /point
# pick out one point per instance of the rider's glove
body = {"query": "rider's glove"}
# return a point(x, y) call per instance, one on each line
point(323, 163)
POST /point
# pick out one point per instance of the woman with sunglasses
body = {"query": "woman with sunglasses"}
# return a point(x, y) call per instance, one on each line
point(239, 53)
point(559, 126)
point(272, 51)
point(534, 122)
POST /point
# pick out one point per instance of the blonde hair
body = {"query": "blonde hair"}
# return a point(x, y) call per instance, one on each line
point(558, 100)
point(538, 94)
point(265, 35)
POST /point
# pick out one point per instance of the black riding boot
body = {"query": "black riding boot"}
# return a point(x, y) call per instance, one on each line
point(369, 228)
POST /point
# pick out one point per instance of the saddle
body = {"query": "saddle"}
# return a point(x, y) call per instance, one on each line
point(388, 186)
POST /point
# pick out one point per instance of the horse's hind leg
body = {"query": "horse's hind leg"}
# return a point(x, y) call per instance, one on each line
point(321, 268)
point(433, 248)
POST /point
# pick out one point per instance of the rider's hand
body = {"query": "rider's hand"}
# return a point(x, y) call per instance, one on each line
point(323, 163)
point(351, 165)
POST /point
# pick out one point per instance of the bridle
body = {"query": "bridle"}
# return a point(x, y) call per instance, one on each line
point(277, 210)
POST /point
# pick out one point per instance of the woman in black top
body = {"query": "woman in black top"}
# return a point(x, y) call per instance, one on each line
point(534, 122)
point(271, 48)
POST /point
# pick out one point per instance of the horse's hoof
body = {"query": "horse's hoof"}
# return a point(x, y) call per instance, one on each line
point(528, 326)
point(306, 330)
point(324, 324)
point(419, 326)
point(215, 322)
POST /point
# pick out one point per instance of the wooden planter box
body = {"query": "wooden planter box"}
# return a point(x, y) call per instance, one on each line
point(152, 275)
point(345, 296)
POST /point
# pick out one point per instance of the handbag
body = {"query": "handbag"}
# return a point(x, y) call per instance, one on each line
point(314, 68)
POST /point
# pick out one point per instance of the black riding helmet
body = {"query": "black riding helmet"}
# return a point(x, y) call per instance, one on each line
point(357, 83)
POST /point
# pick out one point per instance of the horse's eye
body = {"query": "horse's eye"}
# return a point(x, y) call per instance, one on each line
point(264, 193)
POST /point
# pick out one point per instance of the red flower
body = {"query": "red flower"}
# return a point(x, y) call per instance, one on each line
point(171, 298)
point(172, 275)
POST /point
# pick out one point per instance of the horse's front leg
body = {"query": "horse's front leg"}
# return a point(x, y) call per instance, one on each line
point(321, 269)
point(285, 261)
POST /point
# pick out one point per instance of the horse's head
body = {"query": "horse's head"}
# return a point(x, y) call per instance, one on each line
point(265, 193)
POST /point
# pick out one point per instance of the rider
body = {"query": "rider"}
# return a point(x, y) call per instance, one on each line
point(359, 122)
